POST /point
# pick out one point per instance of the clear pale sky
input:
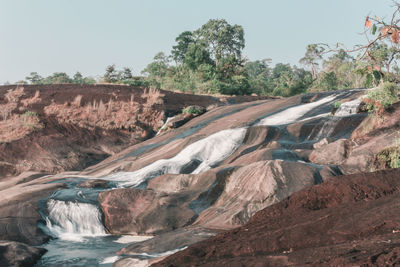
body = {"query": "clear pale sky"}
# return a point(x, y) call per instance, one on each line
point(49, 36)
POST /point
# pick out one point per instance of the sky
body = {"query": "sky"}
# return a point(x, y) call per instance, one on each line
point(49, 36)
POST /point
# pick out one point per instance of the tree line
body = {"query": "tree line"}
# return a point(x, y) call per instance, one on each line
point(210, 60)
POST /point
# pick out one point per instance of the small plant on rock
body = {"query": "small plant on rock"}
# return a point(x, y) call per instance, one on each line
point(337, 104)
point(378, 100)
point(192, 110)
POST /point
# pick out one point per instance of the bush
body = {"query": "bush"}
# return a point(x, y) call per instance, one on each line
point(192, 110)
point(30, 114)
point(390, 157)
point(378, 100)
point(337, 104)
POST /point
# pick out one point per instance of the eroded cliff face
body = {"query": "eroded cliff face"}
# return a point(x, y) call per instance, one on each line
point(55, 128)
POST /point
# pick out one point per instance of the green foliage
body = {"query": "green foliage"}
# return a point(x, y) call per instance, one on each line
point(390, 157)
point(378, 100)
point(312, 56)
point(111, 74)
point(30, 114)
point(328, 81)
point(337, 104)
point(192, 110)
point(34, 78)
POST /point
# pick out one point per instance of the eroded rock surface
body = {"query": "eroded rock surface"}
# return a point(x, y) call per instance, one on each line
point(348, 220)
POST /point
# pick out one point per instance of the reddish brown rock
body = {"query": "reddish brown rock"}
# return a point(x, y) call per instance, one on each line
point(346, 221)
point(334, 153)
point(137, 211)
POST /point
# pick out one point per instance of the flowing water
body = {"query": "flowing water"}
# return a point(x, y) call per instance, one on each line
point(74, 219)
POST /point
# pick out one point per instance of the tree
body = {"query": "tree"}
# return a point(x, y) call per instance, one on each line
point(223, 40)
point(78, 78)
point(157, 70)
point(111, 75)
point(183, 41)
point(312, 56)
point(126, 74)
point(57, 78)
point(34, 78)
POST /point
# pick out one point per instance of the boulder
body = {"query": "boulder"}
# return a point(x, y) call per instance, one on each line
point(333, 153)
point(139, 211)
point(19, 254)
point(95, 183)
point(254, 187)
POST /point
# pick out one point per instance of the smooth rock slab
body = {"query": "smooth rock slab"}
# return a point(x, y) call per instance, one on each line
point(138, 211)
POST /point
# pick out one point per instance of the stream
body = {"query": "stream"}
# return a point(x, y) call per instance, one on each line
point(73, 218)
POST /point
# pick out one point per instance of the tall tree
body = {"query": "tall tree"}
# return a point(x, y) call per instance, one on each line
point(78, 78)
point(183, 41)
point(126, 74)
point(34, 78)
point(223, 40)
point(111, 75)
point(312, 56)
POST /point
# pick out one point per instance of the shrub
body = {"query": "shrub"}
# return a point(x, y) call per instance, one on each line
point(30, 114)
point(390, 157)
point(192, 110)
point(337, 104)
point(378, 100)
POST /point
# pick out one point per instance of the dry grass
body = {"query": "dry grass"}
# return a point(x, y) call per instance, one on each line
point(17, 126)
point(113, 114)
point(153, 97)
point(33, 100)
point(13, 96)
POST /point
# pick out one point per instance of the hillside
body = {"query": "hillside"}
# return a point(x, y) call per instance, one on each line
point(54, 128)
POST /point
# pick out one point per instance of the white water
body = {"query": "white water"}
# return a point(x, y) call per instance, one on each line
point(73, 221)
point(345, 109)
point(348, 108)
point(211, 150)
point(165, 124)
point(291, 115)
point(208, 151)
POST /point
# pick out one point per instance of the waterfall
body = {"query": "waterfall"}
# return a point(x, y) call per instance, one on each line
point(345, 109)
point(291, 115)
point(165, 124)
point(348, 108)
point(72, 221)
point(210, 151)
point(195, 158)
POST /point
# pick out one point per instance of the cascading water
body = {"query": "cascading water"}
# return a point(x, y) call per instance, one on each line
point(165, 124)
point(70, 220)
point(204, 154)
point(346, 109)
point(73, 221)
point(291, 115)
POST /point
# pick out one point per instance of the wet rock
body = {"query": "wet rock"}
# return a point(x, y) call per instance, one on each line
point(19, 254)
point(169, 241)
point(19, 211)
point(95, 183)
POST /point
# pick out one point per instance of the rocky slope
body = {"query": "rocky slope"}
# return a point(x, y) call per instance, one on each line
point(347, 221)
point(209, 175)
